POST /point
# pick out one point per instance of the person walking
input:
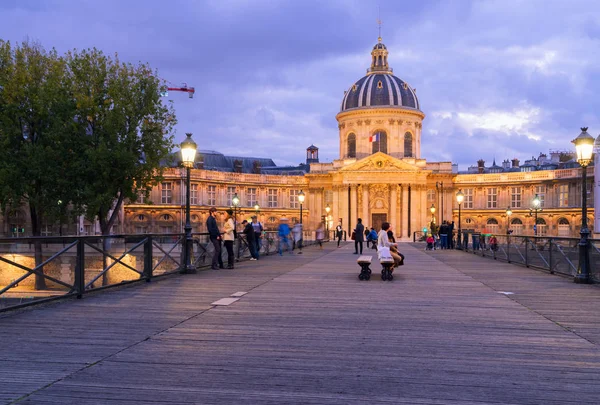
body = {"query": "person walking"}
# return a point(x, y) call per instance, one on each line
point(250, 239)
point(359, 236)
point(320, 234)
point(215, 238)
point(297, 233)
point(284, 236)
point(229, 237)
point(339, 233)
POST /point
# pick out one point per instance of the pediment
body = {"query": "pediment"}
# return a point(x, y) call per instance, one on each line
point(378, 162)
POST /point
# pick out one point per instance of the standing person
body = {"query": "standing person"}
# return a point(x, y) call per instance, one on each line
point(320, 234)
point(339, 233)
point(443, 232)
point(215, 238)
point(359, 238)
point(229, 237)
point(249, 232)
point(367, 235)
point(284, 236)
point(258, 233)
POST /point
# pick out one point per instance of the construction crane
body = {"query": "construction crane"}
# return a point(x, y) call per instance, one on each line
point(184, 87)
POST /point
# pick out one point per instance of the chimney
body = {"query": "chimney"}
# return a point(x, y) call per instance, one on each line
point(480, 166)
point(256, 167)
point(237, 166)
point(515, 162)
point(506, 164)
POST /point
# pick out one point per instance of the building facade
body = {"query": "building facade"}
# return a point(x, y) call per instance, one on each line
point(379, 176)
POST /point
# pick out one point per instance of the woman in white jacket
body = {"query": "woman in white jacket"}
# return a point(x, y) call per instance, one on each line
point(229, 237)
point(384, 241)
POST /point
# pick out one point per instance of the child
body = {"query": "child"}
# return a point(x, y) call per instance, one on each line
point(430, 242)
point(493, 243)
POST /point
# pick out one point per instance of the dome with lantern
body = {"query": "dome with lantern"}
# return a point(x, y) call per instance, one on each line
point(380, 88)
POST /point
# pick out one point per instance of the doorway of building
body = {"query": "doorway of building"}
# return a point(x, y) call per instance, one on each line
point(377, 220)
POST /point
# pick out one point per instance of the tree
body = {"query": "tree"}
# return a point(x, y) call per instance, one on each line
point(125, 130)
point(36, 118)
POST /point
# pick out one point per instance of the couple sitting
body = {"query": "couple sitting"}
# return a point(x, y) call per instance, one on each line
point(383, 240)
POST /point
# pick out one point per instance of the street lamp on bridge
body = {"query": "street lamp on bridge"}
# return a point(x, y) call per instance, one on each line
point(459, 199)
point(188, 157)
point(584, 146)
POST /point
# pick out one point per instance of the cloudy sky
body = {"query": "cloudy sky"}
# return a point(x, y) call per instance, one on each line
point(496, 79)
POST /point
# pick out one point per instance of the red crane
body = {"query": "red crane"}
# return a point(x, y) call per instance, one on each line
point(184, 87)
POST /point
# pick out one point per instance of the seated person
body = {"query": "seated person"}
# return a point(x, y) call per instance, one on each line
point(383, 241)
point(373, 237)
point(430, 241)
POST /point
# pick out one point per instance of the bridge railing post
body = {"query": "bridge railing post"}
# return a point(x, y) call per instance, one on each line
point(80, 268)
point(148, 258)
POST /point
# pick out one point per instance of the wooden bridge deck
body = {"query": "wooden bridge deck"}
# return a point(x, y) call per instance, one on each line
point(309, 332)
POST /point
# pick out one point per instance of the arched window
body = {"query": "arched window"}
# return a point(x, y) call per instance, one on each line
point(541, 227)
point(408, 145)
point(516, 226)
point(516, 221)
point(492, 221)
point(351, 146)
point(564, 228)
point(380, 142)
point(492, 225)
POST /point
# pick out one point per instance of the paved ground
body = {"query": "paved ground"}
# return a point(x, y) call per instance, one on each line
point(309, 332)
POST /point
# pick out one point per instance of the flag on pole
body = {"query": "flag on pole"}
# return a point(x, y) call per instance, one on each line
point(374, 137)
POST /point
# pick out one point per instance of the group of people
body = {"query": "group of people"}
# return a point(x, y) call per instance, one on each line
point(385, 238)
point(290, 238)
point(253, 231)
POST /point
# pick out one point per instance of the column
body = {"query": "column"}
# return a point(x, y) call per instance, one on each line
point(365, 208)
point(335, 210)
point(394, 209)
point(354, 207)
point(424, 209)
point(404, 220)
point(415, 199)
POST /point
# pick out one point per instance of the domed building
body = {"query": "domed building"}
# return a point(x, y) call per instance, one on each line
point(380, 176)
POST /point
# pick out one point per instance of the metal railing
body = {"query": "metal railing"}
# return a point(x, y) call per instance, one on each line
point(39, 269)
point(553, 254)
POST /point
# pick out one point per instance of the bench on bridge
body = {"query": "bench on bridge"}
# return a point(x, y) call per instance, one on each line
point(387, 262)
point(364, 262)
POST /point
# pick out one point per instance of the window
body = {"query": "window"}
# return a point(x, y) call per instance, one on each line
point(194, 194)
point(141, 217)
point(563, 195)
point(516, 225)
point(379, 83)
point(272, 198)
point(468, 200)
point(492, 197)
point(166, 217)
point(212, 195)
point(408, 145)
point(380, 145)
point(251, 197)
point(430, 197)
point(515, 197)
point(230, 193)
point(141, 229)
point(492, 225)
point(564, 228)
point(351, 146)
point(167, 193)
point(541, 192)
point(46, 230)
point(541, 227)
point(272, 220)
point(294, 199)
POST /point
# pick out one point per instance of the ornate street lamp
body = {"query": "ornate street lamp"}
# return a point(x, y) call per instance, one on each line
point(257, 210)
point(584, 146)
point(235, 200)
point(508, 214)
point(535, 207)
point(432, 209)
point(188, 157)
point(459, 199)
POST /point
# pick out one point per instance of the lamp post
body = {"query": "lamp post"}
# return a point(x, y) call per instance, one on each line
point(441, 185)
point(188, 157)
point(432, 209)
point(584, 146)
point(535, 207)
point(235, 200)
point(301, 196)
point(327, 209)
point(459, 199)
point(508, 214)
